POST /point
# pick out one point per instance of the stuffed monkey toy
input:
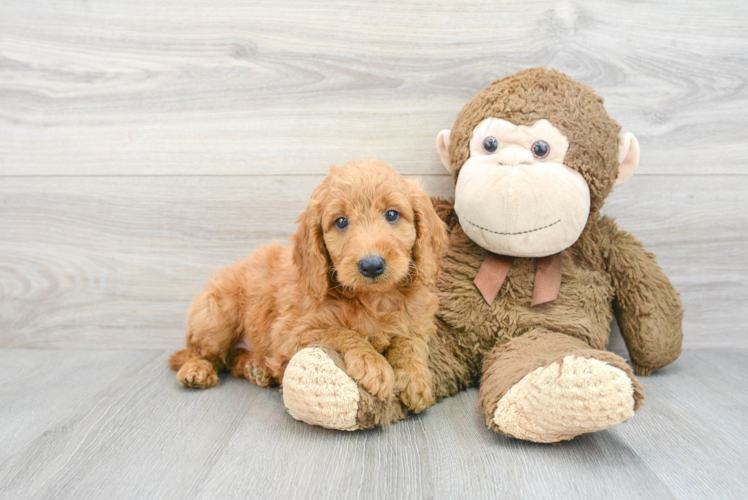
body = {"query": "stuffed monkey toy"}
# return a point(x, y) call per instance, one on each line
point(531, 278)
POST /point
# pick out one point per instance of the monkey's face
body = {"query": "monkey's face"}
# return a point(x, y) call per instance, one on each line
point(515, 196)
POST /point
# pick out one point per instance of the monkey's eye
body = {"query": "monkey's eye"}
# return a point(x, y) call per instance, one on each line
point(541, 149)
point(490, 144)
point(391, 216)
point(341, 223)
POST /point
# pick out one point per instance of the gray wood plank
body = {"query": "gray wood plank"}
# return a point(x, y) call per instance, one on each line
point(113, 88)
point(42, 387)
point(114, 262)
point(150, 431)
point(697, 415)
point(117, 425)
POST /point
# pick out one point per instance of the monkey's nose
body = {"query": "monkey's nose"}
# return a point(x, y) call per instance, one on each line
point(514, 156)
point(371, 266)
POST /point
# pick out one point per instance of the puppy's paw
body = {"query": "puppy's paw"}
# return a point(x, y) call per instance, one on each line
point(417, 392)
point(197, 373)
point(372, 371)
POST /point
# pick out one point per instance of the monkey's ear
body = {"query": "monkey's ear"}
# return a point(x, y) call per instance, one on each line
point(628, 157)
point(442, 146)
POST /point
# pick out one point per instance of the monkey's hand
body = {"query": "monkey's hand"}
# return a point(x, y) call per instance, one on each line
point(647, 306)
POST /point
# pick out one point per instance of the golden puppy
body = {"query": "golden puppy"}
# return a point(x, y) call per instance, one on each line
point(357, 279)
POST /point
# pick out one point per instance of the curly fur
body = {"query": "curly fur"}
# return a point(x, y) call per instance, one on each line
point(282, 299)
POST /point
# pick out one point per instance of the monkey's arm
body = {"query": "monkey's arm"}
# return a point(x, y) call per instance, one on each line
point(647, 306)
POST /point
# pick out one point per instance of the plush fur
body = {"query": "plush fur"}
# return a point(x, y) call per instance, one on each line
point(280, 299)
point(605, 272)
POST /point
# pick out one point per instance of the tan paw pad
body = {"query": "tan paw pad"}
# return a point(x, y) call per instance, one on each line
point(318, 392)
point(563, 400)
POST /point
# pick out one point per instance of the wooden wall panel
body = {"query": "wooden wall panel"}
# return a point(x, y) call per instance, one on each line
point(181, 87)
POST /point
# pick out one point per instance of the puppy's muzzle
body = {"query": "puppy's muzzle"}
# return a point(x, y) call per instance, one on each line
point(371, 266)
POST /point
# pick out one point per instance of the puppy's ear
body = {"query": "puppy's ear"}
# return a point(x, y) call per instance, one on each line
point(309, 252)
point(431, 235)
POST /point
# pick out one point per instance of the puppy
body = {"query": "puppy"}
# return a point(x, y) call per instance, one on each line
point(356, 279)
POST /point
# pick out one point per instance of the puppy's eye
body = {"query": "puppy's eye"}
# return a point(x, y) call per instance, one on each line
point(391, 216)
point(490, 144)
point(540, 149)
point(341, 223)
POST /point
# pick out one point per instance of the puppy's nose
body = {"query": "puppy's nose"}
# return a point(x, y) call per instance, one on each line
point(371, 266)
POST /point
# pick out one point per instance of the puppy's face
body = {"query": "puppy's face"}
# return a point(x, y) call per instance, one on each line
point(371, 228)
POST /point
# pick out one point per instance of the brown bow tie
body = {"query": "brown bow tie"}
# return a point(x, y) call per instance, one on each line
point(494, 269)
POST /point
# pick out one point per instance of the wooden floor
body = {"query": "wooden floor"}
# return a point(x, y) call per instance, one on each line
point(145, 143)
point(115, 424)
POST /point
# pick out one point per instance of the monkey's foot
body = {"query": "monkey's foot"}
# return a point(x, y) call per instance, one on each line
point(565, 399)
point(316, 390)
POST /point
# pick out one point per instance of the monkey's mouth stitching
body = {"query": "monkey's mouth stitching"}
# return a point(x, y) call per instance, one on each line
point(514, 234)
